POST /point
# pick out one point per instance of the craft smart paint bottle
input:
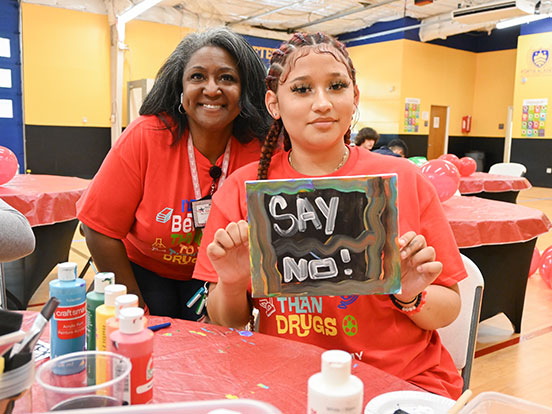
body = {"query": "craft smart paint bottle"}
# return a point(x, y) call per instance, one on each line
point(112, 324)
point(103, 313)
point(68, 324)
point(93, 300)
point(106, 311)
point(335, 390)
point(135, 342)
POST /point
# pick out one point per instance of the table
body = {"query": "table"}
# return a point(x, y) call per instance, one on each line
point(48, 202)
point(195, 361)
point(499, 237)
point(493, 186)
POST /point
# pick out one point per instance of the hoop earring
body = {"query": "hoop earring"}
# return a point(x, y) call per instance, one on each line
point(180, 107)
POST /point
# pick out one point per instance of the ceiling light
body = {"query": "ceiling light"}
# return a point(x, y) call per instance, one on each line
point(521, 20)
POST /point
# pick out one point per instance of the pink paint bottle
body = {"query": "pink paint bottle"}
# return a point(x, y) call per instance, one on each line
point(112, 324)
point(136, 343)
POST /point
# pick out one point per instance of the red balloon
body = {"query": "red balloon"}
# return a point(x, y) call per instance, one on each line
point(8, 165)
point(466, 166)
point(546, 267)
point(535, 262)
point(450, 158)
point(545, 251)
point(444, 176)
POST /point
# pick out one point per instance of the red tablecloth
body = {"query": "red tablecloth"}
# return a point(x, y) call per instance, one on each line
point(195, 361)
point(477, 221)
point(44, 199)
point(491, 183)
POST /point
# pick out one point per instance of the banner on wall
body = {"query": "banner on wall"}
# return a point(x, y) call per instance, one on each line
point(533, 117)
point(411, 114)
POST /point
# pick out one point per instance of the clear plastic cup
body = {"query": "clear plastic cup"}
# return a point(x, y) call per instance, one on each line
point(68, 385)
point(15, 388)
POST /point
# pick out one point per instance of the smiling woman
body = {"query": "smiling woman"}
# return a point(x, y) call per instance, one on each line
point(145, 210)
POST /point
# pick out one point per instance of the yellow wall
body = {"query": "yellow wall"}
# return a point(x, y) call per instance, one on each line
point(379, 67)
point(66, 72)
point(531, 81)
point(65, 67)
point(438, 75)
point(494, 92)
point(467, 82)
point(66, 63)
point(150, 44)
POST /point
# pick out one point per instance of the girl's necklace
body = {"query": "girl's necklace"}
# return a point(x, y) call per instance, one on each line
point(341, 163)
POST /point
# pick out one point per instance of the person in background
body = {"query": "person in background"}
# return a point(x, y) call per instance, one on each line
point(367, 138)
point(17, 239)
point(312, 95)
point(396, 147)
point(145, 210)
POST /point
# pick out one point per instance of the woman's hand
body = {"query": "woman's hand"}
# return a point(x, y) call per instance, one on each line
point(418, 266)
point(229, 255)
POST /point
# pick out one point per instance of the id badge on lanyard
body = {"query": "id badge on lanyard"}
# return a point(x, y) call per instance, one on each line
point(200, 211)
point(201, 206)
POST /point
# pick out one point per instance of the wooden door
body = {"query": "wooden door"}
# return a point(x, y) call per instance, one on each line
point(438, 131)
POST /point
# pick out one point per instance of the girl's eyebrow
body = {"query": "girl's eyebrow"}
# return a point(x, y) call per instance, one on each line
point(330, 75)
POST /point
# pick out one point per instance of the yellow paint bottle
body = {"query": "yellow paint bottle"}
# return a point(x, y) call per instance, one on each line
point(103, 313)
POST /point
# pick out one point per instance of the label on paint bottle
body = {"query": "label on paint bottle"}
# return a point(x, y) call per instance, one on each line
point(141, 379)
point(71, 321)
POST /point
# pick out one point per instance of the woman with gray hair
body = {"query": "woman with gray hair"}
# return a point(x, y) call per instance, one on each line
point(144, 212)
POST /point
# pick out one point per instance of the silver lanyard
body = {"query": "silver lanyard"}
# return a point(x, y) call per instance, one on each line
point(193, 167)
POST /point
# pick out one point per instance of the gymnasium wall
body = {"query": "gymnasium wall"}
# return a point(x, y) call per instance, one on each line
point(67, 98)
point(66, 78)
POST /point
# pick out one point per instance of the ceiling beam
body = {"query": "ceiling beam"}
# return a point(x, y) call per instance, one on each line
point(265, 13)
point(342, 14)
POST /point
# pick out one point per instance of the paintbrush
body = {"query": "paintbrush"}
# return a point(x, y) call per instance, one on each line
point(460, 402)
point(28, 343)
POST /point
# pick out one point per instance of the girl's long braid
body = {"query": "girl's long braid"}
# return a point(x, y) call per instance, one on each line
point(277, 65)
point(268, 149)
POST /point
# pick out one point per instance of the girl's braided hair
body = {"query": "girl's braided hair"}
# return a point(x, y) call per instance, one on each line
point(319, 43)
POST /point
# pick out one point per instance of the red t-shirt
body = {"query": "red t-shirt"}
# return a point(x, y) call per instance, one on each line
point(142, 195)
point(370, 327)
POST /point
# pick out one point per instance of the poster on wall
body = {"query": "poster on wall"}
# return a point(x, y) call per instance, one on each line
point(323, 236)
point(533, 117)
point(411, 114)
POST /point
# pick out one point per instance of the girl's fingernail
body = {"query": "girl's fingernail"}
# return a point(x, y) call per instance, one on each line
point(420, 269)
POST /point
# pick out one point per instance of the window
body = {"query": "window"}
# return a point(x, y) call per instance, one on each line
point(5, 47)
point(5, 78)
point(6, 108)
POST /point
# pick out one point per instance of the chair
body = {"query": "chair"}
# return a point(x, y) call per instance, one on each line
point(512, 169)
point(459, 337)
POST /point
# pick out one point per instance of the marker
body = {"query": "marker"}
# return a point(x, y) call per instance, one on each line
point(160, 326)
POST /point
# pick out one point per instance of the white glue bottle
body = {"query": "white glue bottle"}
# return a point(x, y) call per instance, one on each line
point(335, 390)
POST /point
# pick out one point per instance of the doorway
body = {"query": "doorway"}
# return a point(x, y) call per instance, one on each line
point(438, 131)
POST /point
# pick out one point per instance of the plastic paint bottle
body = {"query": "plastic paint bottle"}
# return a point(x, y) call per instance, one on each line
point(136, 343)
point(103, 313)
point(106, 311)
point(335, 390)
point(93, 300)
point(68, 324)
point(112, 324)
